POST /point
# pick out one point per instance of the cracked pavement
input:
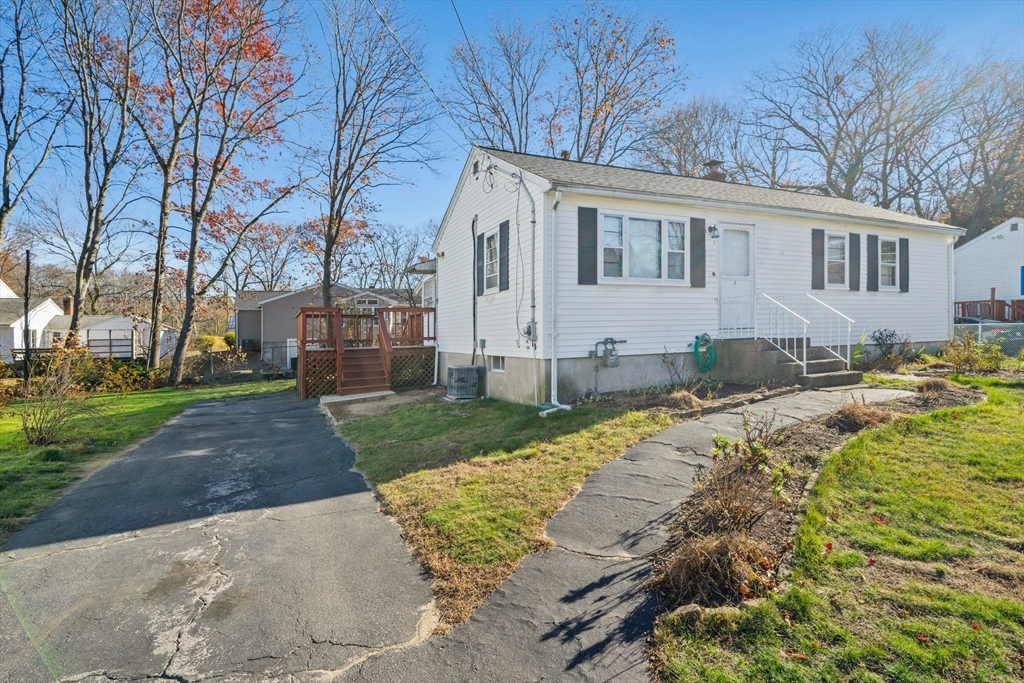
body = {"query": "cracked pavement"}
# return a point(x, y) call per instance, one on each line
point(578, 612)
point(236, 544)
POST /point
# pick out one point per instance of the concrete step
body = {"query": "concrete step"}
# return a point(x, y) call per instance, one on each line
point(818, 367)
point(841, 378)
point(378, 389)
point(813, 353)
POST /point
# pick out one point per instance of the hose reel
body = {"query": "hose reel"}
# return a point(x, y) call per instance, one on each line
point(704, 352)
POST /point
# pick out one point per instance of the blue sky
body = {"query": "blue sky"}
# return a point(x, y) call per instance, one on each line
point(719, 43)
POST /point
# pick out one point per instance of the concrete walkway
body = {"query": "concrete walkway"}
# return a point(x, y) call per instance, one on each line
point(578, 612)
point(237, 544)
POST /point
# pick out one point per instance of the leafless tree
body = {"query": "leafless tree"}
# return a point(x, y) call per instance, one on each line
point(392, 249)
point(30, 114)
point(377, 114)
point(495, 89)
point(690, 135)
point(98, 44)
point(266, 258)
point(617, 72)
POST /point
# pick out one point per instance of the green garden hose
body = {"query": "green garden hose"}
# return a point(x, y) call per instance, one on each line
point(704, 352)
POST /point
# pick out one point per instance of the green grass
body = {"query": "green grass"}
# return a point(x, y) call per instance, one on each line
point(32, 477)
point(917, 513)
point(472, 485)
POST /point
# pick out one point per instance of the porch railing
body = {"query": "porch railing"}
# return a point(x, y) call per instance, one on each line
point(991, 309)
point(406, 326)
point(831, 329)
point(783, 328)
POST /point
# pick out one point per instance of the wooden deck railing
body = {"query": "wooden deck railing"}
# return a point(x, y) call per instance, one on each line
point(409, 325)
point(991, 308)
point(384, 343)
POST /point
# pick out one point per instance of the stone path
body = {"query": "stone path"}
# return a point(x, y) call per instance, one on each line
point(577, 612)
point(237, 544)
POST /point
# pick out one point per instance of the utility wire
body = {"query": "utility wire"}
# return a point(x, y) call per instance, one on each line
point(415, 66)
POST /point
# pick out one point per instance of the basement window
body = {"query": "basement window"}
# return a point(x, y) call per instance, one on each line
point(496, 363)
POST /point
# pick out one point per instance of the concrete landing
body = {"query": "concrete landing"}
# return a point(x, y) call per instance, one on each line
point(348, 398)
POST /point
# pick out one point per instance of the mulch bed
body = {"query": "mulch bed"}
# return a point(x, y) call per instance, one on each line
point(804, 446)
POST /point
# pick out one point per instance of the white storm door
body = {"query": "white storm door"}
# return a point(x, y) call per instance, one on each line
point(736, 282)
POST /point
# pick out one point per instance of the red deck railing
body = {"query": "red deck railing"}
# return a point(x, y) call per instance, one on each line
point(991, 308)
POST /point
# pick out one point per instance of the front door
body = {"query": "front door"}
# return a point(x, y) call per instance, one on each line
point(736, 283)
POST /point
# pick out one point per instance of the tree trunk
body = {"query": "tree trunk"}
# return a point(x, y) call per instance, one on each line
point(156, 313)
point(177, 372)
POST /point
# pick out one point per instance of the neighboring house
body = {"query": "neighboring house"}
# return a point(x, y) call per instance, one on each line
point(369, 300)
point(991, 267)
point(265, 321)
point(12, 323)
point(112, 336)
point(425, 292)
point(656, 260)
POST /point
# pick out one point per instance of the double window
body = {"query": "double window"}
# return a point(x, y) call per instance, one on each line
point(637, 248)
point(887, 264)
point(491, 262)
point(835, 258)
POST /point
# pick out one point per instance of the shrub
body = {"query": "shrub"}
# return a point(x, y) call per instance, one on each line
point(852, 417)
point(894, 349)
point(229, 340)
point(935, 385)
point(58, 399)
point(718, 570)
point(965, 354)
point(744, 483)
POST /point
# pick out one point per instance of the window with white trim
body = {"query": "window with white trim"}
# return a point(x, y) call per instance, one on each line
point(491, 262)
point(835, 256)
point(887, 264)
point(643, 248)
point(497, 363)
point(612, 246)
point(675, 251)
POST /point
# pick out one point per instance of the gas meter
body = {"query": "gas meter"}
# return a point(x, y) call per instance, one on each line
point(609, 355)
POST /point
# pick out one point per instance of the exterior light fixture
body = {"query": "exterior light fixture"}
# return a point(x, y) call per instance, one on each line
point(713, 231)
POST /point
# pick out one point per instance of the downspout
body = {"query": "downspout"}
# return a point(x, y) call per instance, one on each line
point(554, 310)
point(437, 338)
point(473, 362)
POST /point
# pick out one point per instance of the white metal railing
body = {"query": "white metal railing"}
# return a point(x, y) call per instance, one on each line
point(783, 328)
point(832, 330)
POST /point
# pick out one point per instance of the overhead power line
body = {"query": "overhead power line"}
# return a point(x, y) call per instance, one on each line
point(423, 77)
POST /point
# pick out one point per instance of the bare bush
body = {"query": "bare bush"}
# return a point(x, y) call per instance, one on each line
point(935, 386)
point(852, 417)
point(744, 483)
point(966, 354)
point(894, 349)
point(58, 399)
point(718, 570)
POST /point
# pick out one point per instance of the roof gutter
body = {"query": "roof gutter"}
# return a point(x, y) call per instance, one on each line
point(717, 203)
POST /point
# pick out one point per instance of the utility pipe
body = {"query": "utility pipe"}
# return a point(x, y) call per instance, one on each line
point(554, 309)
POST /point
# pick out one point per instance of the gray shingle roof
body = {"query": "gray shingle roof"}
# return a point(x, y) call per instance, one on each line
point(250, 301)
point(12, 310)
point(564, 172)
point(62, 323)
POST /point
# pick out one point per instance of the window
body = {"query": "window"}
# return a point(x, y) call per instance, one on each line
point(887, 263)
point(497, 363)
point(640, 248)
point(676, 250)
point(644, 248)
point(491, 262)
point(612, 246)
point(368, 303)
point(836, 259)
point(1014, 227)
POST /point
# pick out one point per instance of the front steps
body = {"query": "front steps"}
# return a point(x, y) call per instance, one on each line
point(758, 362)
point(823, 368)
point(362, 372)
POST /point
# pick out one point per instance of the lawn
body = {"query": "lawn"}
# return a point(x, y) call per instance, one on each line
point(472, 485)
point(33, 477)
point(908, 564)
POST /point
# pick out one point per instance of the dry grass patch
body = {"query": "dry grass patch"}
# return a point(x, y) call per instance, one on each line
point(853, 417)
point(473, 485)
point(718, 570)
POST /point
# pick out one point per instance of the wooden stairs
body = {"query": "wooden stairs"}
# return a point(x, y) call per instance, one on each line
point(362, 372)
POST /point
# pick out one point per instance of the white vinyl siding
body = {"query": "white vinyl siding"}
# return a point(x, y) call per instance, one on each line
point(993, 259)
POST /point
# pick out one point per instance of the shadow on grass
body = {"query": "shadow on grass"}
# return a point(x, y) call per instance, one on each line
point(431, 436)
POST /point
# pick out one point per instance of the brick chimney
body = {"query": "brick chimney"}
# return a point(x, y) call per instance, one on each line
point(714, 171)
point(67, 305)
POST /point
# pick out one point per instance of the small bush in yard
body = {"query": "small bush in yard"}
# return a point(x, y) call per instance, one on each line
point(58, 399)
point(894, 349)
point(718, 570)
point(744, 483)
point(852, 417)
point(935, 385)
point(229, 340)
point(966, 354)
point(210, 342)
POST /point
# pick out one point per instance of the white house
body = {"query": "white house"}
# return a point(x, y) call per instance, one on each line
point(542, 261)
point(112, 336)
point(12, 322)
point(993, 260)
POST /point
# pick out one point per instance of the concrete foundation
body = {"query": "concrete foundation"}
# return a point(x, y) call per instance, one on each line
point(515, 384)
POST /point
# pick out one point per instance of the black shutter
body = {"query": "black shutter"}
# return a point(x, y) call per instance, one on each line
point(698, 252)
point(586, 267)
point(479, 265)
point(904, 264)
point(817, 259)
point(854, 261)
point(503, 257)
point(872, 263)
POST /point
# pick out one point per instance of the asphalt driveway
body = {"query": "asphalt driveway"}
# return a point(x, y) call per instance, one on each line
point(237, 544)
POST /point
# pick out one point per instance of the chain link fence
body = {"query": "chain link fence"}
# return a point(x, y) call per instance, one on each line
point(1009, 336)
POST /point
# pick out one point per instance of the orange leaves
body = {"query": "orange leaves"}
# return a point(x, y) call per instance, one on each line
point(880, 520)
